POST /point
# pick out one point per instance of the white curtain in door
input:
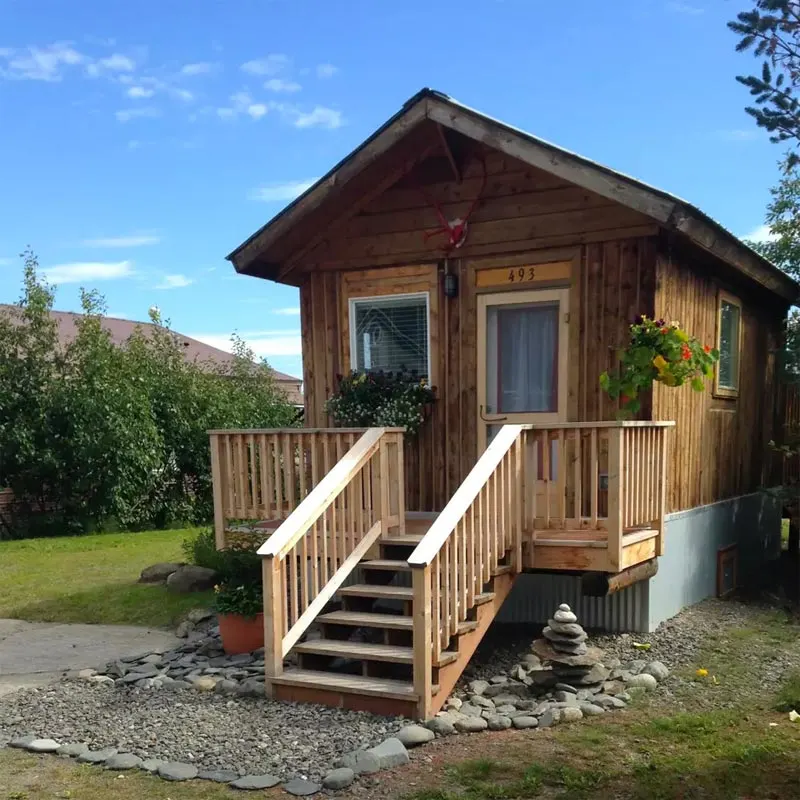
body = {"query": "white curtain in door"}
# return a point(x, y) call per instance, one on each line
point(522, 358)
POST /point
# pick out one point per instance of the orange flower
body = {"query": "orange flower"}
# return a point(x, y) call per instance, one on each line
point(707, 348)
point(686, 353)
point(665, 330)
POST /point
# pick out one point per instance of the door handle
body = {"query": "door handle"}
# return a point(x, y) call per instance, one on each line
point(489, 419)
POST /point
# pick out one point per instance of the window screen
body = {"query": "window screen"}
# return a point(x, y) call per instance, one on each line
point(728, 367)
point(390, 334)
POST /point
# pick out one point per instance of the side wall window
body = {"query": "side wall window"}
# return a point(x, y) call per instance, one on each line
point(390, 334)
point(729, 343)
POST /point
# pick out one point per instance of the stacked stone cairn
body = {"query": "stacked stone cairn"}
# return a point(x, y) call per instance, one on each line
point(564, 646)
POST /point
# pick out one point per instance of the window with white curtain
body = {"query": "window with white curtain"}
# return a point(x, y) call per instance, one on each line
point(390, 334)
point(522, 358)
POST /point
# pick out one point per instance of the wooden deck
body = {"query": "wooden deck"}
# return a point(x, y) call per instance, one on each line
point(340, 550)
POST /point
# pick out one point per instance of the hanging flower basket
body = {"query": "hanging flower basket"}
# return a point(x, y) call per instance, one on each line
point(657, 351)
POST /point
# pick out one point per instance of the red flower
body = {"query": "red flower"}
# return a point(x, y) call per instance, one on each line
point(665, 331)
point(707, 348)
point(686, 353)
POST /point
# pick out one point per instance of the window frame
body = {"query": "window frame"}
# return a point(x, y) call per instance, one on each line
point(727, 391)
point(353, 301)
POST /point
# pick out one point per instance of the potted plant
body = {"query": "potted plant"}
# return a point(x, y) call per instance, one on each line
point(657, 351)
point(241, 618)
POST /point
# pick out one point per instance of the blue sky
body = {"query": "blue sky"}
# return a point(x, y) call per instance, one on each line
point(141, 142)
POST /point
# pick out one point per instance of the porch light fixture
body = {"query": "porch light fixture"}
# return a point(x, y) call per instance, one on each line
point(450, 284)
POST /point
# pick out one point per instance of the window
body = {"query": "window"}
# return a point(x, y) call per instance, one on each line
point(729, 336)
point(390, 334)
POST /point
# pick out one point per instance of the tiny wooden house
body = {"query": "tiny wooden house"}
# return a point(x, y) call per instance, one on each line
point(507, 271)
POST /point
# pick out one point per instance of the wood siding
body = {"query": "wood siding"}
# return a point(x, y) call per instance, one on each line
point(720, 445)
point(611, 282)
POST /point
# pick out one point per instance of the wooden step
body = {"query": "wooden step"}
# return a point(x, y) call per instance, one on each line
point(367, 652)
point(351, 684)
point(408, 540)
point(386, 564)
point(384, 592)
point(638, 536)
point(366, 619)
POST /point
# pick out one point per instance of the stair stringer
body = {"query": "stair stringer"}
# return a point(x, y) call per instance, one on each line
point(466, 643)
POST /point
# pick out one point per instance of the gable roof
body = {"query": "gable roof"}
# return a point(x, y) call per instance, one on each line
point(252, 257)
point(122, 329)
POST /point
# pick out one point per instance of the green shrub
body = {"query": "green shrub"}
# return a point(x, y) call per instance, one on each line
point(236, 566)
point(94, 435)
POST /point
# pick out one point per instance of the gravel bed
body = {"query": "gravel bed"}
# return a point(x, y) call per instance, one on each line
point(246, 735)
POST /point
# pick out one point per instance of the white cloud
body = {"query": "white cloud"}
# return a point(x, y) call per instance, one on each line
point(685, 8)
point(183, 94)
point(39, 63)
point(326, 70)
point(134, 144)
point(198, 68)
point(282, 85)
point(176, 281)
point(242, 103)
point(263, 343)
point(281, 192)
point(139, 91)
point(127, 114)
point(320, 117)
point(287, 312)
point(88, 271)
point(118, 63)
point(760, 234)
point(5, 262)
point(269, 65)
point(135, 240)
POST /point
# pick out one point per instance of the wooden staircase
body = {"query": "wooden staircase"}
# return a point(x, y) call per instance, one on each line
point(369, 607)
point(364, 656)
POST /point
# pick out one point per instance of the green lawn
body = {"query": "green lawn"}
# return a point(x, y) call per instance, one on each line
point(92, 579)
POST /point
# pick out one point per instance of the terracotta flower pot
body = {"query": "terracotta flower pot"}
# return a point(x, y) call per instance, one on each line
point(240, 634)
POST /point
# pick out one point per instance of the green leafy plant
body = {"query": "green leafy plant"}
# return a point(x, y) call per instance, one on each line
point(381, 399)
point(94, 435)
point(233, 565)
point(244, 599)
point(657, 351)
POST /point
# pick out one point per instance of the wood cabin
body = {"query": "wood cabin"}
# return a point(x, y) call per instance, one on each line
point(507, 271)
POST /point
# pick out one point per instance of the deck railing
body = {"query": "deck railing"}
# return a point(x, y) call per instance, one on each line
point(265, 474)
point(322, 541)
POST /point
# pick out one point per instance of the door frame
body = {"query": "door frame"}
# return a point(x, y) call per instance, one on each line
point(561, 296)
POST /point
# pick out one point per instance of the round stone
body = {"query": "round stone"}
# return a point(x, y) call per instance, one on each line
point(123, 761)
point(97, 756)
point(470, 724)
point(478, 687)
point(658, 670)
point(441, 725)
point(481, 702)
point(571, 714)
point(564, 616)
point(644, 681)
point(338, 778)
point(72, 750)
point(218, 775)
point(175, 771)
point(43, 746)
point(299, 787)
point(591, 710)
point(498, 722)
point(525, 722)
point(415, 735)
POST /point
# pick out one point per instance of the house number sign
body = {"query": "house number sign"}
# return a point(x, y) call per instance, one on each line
point(523, 275)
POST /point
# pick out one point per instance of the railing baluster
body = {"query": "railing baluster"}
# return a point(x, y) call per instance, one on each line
point(594, 474)
point(276, 472)
point(251, 449)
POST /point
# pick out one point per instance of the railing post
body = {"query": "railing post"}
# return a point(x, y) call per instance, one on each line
point(423, 666)
point(615, 500)
point(518, 496)
point(662, 489)
point(217, 492)
point(273, 620)
point(385, 486)
point(399, 485)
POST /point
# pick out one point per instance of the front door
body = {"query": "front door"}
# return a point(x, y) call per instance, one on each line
point(522, 359)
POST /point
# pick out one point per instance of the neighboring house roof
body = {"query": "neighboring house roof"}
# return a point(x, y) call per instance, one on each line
point(194, 350)
point(673, 213)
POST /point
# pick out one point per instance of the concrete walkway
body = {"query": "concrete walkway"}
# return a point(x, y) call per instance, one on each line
point(37, 653)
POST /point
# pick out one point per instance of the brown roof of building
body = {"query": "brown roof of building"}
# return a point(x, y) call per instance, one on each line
point(194, 350)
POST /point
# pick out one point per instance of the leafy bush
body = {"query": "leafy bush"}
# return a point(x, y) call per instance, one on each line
point(246, 600)
point(234, 565)
point(93, 435)
point(381, 399)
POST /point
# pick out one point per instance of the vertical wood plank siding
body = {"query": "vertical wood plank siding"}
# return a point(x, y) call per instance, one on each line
point(719, 448)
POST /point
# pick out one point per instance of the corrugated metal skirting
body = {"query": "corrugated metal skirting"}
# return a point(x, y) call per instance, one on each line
point(535, 597)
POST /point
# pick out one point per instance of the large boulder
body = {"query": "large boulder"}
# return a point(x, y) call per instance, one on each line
point(159, 573)
point(190, 578)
